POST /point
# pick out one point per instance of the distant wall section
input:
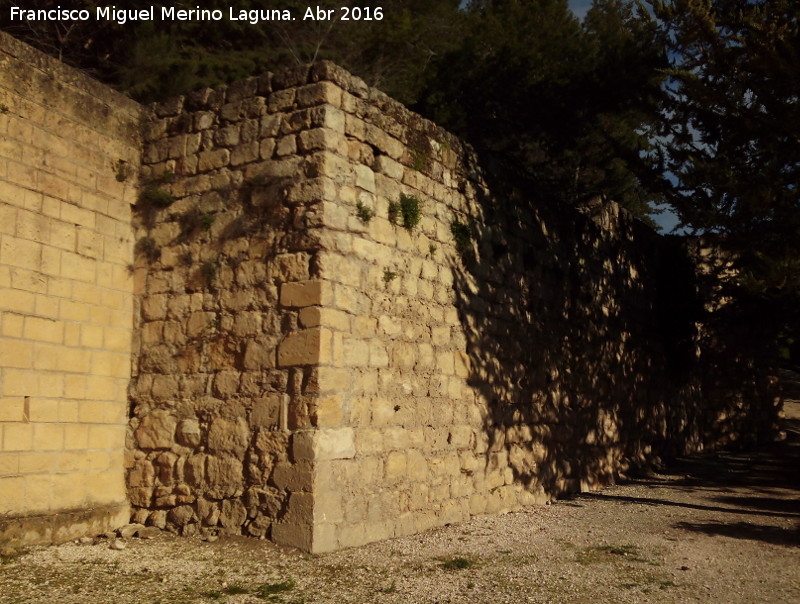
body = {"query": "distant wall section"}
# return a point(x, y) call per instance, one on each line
point(69, 155)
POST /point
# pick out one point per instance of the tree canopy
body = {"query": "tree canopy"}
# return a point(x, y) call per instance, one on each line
point(548, 100)
point(731, 138)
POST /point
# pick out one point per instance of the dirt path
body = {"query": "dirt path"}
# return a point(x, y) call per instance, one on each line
point(720, 529)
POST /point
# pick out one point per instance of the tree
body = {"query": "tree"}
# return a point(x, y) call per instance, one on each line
point(157, 59)
point(549, 101)
point(731, 138)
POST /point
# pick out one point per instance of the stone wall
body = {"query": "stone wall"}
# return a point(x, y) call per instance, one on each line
point(231, 343)
point(317, 367)
point(69, 153)
point(495, 357)
point(340, 329)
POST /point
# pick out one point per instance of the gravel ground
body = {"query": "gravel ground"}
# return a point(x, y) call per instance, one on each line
point(721, 529)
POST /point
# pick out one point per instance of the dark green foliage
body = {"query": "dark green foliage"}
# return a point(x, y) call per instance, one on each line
point(542, 97)
point(548, 101)
point(155, 197)
point(394, 211)
point(731, 141)
point(121, 171)
point(154, 60)
point(407, 212)
point(389, 276)
point(235, 590)
point(364, 213)
point(461, 237)
point(207, 221)
point(419, 159)
point(410, 211)
point(146, 246)
point(208, 270)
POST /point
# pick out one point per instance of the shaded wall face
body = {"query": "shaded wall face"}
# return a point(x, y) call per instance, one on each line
point(498, 356)
point(347, 334)
point(69, 155)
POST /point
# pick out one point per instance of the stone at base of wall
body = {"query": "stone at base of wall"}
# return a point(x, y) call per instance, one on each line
point(55, 528)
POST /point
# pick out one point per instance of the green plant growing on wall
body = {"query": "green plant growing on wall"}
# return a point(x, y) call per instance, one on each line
point(410, 210)
point(419, 159)
point(364, 213)
point(147, 247)
point(259, 180)
point(209, 271)
point(394, 211)
point(121, 170)
point(154, 196)
point(389, 276)
point(407, 212)
point(461, 237)
point(207, 221)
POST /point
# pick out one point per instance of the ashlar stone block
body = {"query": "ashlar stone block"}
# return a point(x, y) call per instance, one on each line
point(306, 293)
point(306, 347)
point(324, 444)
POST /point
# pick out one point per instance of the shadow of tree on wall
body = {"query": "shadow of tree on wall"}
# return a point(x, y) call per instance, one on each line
point(582, 340)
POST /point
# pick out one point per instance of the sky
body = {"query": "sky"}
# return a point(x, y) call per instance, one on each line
point(579, 7)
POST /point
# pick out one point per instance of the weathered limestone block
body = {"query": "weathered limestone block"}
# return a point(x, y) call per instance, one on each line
point(315, 316)
point(324, 444)
point(181, 515)
point(268, 410)
point(258, 355)
point(212, 160)
point(140, 496)
point(225, 436)
point(319, 139)
point(306, 347)
point(319, 94)
point(396, 465)
point(246, 152)
point(194, 470)
point(293, 477)
point(156, 430)
point(142, 474)
point(294, 532)
point(328, 411)
point(306, 293)
point(328, 117)
point(232, 515)
point(226, 384)
point(224, 476)
point(164, 466)
point(207, 512)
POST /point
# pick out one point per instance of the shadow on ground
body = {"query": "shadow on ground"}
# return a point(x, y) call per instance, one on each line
point(752, 495)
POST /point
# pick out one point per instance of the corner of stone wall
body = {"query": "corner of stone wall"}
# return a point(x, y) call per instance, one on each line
point(230, 399)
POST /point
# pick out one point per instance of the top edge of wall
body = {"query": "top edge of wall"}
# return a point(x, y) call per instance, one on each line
point(65, 74)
